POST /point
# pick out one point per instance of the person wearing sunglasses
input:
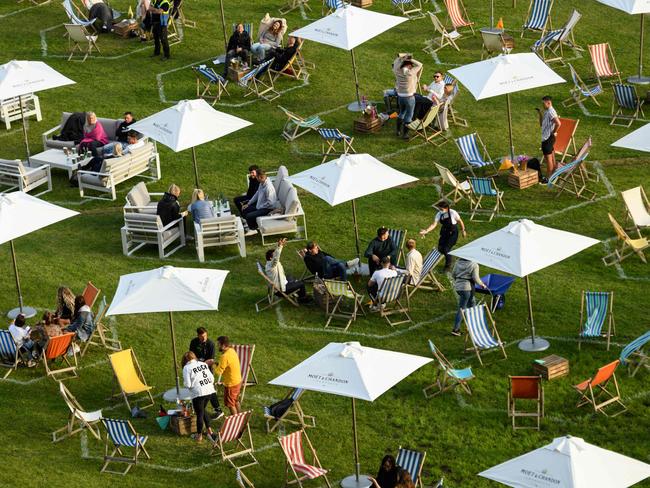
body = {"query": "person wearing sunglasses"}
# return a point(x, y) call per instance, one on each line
point(436, 88)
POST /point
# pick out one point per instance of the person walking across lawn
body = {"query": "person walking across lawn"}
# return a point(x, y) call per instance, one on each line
point(230, 372)
point(449, 221)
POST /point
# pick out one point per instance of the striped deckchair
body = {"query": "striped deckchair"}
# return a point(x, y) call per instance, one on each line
point(338, 294)
point(455, 118)
point(398, 237)
point(335, 143)
point(57, 350)
point(254, 83)
point(9, 357)
point(572, 177)
point(389, 299)
point(294, 451)
point(121, 434)
point(99, 337)
point(482, 330)
point(329, 6)
point(428, 280)
point(297, 126)
point(601, 390)
point(242, 480)
point(552, 43)
point(626, 106)
point(539, 15)
point(412, 462)
point(633, 356)
point(600, 60)
point(273, 294)
point(248, 28)
point(458, 15)
point(79, 419)
point(627, 246)
point(206, 79)
point(426, 128)
point(412, 9)
point(596, 309)
point(482, 188)
point(474, 152)
point(293, 414)
point(459, 190)
point(75, 15)
point(293, 5)
point(447, 377)
point(442, 37)
point(248, 377)
point(231, 440)
point(581, 91)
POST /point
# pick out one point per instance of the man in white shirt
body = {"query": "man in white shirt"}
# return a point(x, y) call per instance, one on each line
point(378, 277)
point(413, 261)
point(275, 272)
point(20, 333)
point(436, 89)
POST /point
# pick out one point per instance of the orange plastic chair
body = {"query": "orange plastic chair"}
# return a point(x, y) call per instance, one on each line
point(565, 145)
point(57, 348)
point(593, 390)
point(90, 294)
point(525, 388)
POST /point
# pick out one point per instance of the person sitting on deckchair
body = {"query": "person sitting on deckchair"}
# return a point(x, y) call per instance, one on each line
point(83, 323)
point(253, 185)
point(64, 306)
point(413, 261)
point(97, 9)
point(275, 271)
point(449, 221)
point(19, 330)
point(380, 247)
point(239, 46)
point(465, 274)
point(387, 475)
point(262, 203)
point(436, 89)
point(269, 40)
point(168, 208)
point(550, 123)
point(198, 378)
point(318, 262)
point(282, 55)
point(199, 207)
point(378, 277)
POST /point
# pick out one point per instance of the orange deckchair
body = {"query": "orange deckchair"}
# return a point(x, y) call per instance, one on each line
point(565, 144)
point(90, 294)
point(525, 388)
point(57, 348)
point(595, 388)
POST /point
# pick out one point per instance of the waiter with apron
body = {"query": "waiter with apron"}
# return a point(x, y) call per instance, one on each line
point(449, 221)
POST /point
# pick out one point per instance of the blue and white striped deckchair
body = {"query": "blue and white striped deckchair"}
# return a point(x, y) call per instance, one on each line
point(71, 11)
point(554, 41)
point(447, 377)
point(330, 139)
point(595, 309)
point(292, 415)
point(481, 188)
point(470, 147)
point(625, 100)
point(411, 9)
point(478, 320)
point(389, 299)
point(253, 82)
point(580, 90)
point(428, 280)
point(411, 461)
point(8, 352)
point(539, 14)
point(572, 177)
point(398, 237)
point(206, 78)
point(295, 123)
point(633, 355)
point(242, 480)
point(329, 6)
point(121, 434)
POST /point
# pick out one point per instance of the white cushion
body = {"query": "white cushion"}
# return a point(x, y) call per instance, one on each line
point(283, 192)
point(139, 195)
point(273, 226)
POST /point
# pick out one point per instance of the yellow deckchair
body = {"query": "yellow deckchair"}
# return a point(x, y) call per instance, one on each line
point(129, 376)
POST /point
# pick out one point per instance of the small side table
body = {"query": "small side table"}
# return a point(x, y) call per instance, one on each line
point(236, 74)
point(362, 3)
point(183, 425)
point(124, 28)
point(551, 367)
point(367, 125)
point(523, 178)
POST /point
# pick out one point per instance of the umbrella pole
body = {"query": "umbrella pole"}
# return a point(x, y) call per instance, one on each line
point(356, 480)
point(491, 13)
point(356, 227)
point(171, 329)
point(223, 24)
point(512, 144)
point(355, 106)
point(640, 79)
point(26, 311)
point(22, 117)
point(532, 343)
point(196, 168)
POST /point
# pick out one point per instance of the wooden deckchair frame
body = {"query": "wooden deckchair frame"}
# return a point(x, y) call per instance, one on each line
point(293, 64)
point(475, 202)
point(592, 396)
point(293, 129)
point(412, 13)
point(425, 128)
point(293, 415)
point(446, 38)
point(428, 281)
point(335, 303)
point(84, 48)
point(627, 247)
point(638, 358)
point(17, 357)
point(571, 143)
point(204, 87)
point(463, 11)
point(548, 25)
point(292, 5)
point(70, 368)
point(645, 206)
point(611, 60)
point(514, 413)
point(619, 112)
point(75, 422)
point(262, 89)
point(329, 148)
point(394, 307)
point(609, 318)
point(577, 92)
point(273, 294)
point(138, 371)
point(457, 192)
point(129, 461)
point(246, 381)
point(495, 334)
point(416, 477)
point(238, 447)
point(100, 331)
point(443, 380)
point(315, 462)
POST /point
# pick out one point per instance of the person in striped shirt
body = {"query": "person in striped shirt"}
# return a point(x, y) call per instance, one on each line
point(550, 123)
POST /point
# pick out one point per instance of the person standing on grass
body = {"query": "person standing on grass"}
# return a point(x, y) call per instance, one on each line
point(160, 19)
point(465, 275)
point(230, 372)
point(406, 71)
point(550, 124)
point(198, 378)
point(204, 350)
point(449, 221)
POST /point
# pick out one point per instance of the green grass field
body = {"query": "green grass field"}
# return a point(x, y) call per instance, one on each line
point(461, 434)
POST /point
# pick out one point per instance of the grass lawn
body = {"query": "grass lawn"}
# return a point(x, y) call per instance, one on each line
point(461, 434)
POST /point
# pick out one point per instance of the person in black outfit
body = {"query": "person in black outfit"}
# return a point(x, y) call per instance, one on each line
point(160, 17)
point(318, 262)
point(449, 221)
point(284, 54)
point(204, 350)
point(253, 185)
point(102, 14)
point(387, 475)
point(239, 46)
point(380, 247)
point(168, 208)
point(122, 132)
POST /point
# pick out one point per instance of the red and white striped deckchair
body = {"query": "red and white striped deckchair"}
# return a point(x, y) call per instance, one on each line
point(248, 377)
point(292, 446)
point(600, 59)
point(458, 14)
point(230, 440)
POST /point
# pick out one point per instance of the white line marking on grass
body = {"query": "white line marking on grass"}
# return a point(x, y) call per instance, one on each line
point(401, 151)
point(45, 54)
point(44, 377)
point(586, 111)
point(619, 268)
point(3, 16)
point(11, 132)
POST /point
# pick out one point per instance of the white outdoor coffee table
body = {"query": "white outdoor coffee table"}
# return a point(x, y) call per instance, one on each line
point(56, 158)
point(221, 209)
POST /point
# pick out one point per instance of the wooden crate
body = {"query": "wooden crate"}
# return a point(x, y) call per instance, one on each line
point(367, 125)
point(183, 425)
point(362, 3)
point(236, 74)
point(124, 28)
point(551, 367)
point(523, 179)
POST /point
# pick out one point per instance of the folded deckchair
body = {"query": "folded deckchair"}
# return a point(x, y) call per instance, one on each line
point(428, 280)
point(580, 91)
point(526, 388)
point(273, 294)
point(412, 461)
point(207, 79)
point(129, 378)
point(539, 16)
point(389, 300)
point(475, 153)
point(234, 441)
point(447, 377)
point(99, 337)
point(9, 357)
point(600, 60)
point(340, 294)
point(79, 418)
point(121, 434)
point(57, 351)
point(296, 461)
point(458, 15)
point(297, 126)
point(255, 84)
point(601, 390)
point(459, 190)
point(443, 37)
point(596, 309)
point(288, 410)
point(633, 355)
point(626, 247)
point(638, 207)
point(482, 330)
point(565, 139)
point(484, 188)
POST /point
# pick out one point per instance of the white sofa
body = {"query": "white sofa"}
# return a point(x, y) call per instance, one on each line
point(110, 127)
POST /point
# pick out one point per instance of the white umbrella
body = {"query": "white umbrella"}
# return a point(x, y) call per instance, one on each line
point(521, 248)
point(354, 371)
point(634, 7)
point(569, 462)
point(347, 28)
point(503, 75)
point(168, 289)
point(638, 140)
point(349, 177)
point(22, 214)
point(188, 124)
point(18, 78)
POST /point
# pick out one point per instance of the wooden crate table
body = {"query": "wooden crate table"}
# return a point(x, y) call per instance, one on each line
point(367, 125)
point(124, 28)
point(551, 367)
point(183, 425)
point(362, 3)
point(236, 74)
point(523, 178)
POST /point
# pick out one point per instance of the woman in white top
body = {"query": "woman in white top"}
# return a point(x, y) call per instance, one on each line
point(198, 378)
point(449, 221)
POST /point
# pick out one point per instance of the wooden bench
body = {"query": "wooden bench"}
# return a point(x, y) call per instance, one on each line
point(10, 109)
point(21, 176)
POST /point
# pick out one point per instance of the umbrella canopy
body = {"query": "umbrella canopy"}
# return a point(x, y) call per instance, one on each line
point(569, 462)
point(638, 140)
point(629, 6)
point(188, 124)
point(351, 370)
